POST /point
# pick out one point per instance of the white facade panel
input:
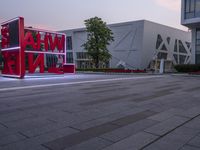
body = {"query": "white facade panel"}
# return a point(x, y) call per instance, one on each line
point(127, 45)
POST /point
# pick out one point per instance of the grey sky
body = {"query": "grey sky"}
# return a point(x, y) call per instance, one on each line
point(67, 14)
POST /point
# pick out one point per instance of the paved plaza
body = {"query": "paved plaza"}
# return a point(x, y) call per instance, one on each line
point(100, 112)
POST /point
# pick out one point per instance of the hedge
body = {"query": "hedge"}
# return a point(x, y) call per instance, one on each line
point(116, 70)
point(187, 68)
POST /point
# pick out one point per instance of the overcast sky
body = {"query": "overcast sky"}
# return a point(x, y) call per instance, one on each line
point(69, 14)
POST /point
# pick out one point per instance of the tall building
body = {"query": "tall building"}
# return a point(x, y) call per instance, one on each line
point(190, 17)
point(136, 45)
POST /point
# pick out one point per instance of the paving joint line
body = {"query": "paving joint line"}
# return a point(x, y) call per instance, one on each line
point(23, 135)
point(161, 136)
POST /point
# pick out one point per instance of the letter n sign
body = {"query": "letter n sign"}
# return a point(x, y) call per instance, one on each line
point(12, 32)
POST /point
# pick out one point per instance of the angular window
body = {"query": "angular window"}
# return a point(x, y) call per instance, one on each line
point(70, 57)
point(175, 46)
point(176, 58)
point(164, 48)
point(182, 48)
point(159, 41)
point(188, 44)
point(69, 43)
point(168, 40)
point(182, 59)
point(162, 55)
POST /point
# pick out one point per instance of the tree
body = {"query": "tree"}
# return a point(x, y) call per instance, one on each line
point(99, 37)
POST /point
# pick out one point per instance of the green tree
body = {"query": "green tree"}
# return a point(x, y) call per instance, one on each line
point(99, 37)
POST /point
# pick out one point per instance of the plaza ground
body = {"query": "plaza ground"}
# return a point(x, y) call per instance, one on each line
point(100, 112)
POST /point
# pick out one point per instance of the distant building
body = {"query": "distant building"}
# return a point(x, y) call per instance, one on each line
point(137, 45)
point(190, 17)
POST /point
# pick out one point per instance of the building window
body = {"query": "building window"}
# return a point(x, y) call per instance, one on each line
point(197, 51)
point(182, 59)
point(164, 48)
point(175, 45)
point(82, 55)
point(168, 40)
point(197, 8)
point(192, 8)
point(69, 43)
point(182, 48)
point(159, 41)
point(189, 9)
point(176, 58)
point(162, 55)
point(70, 57)
point(197, 58)
point(188, 44)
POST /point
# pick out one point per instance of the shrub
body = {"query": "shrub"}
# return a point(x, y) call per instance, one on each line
point(115, 70)
point(187, 68)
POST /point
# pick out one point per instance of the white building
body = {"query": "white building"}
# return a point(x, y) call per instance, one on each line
point(136, 45)
point(190, 17)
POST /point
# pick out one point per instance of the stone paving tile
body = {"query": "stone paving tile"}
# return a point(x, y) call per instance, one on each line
point(192, 112)
point(174, 140)
point(182, 134)
point(134, 142)
point(93, 144)
point(132, 118)
point(43, 129)
point(96, 131)
point(18, 115)
point(23, 147)
point(109, 99)
point(166, 114)
point(109, 118)
point(7, 131)
point(193, 107)
point(189, 147)
point(40, 110)
point(156, 107)
point(77, 138)
point(11, 139)
point(2, 127)
point(194, 124)
point(165, 144)
point(28, 123)
point(195, 141)
point(128, 130)
point(167, 125)
point(152, 97)
point(35, 142)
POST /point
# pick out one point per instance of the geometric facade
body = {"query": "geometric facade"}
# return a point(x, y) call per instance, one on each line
point(181, 53)
point(135, 45)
